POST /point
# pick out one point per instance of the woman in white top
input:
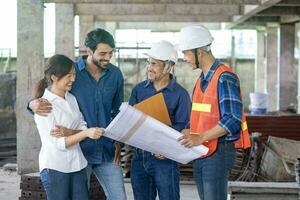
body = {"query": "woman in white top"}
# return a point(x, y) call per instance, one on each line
point(62, 164)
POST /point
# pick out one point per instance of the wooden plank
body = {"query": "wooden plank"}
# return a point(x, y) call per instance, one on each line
point(263, 190)
point(263, 197)
point(287, 185)
point(223, 2)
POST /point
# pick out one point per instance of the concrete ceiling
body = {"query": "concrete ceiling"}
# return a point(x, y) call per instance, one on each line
point(236, 12)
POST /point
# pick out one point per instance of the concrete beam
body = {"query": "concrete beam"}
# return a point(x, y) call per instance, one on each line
point(64, 20)
point(159, 1)
point(257, 22)
point(155, 9)
point(164, 18)
point(279, 11)
point(263, 19)
point(289, 19)
point(289, 3)
point(288, 75)
point(30, 68)
point(264, 4)
point(163, 26)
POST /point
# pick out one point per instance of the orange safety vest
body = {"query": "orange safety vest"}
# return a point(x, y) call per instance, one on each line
point(206, 114)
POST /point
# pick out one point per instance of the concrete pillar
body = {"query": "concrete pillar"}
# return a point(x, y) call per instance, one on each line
point(298, 37)
point(30, 67)
point(64, 29)
point(287, 73)
point(272, 67)
point(233, 56)
point(86, 24)
point(111, 28)
point(99, 24)
point(260, 67)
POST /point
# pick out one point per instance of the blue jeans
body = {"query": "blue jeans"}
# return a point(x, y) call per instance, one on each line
point(150, 176)
point(211, 173)
point(110, 176)
point(65, 186)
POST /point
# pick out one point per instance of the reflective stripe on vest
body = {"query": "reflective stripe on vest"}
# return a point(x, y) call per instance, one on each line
point(244, 126)
point(201, 107)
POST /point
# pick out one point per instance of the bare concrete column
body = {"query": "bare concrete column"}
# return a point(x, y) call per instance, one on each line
point(111, 28)
point(64, 29)
point(298, 37)
point(99, 24)
point(260, 67)
point(86, 24)
point(272, 67)
point(288, 74)
point(30, 67)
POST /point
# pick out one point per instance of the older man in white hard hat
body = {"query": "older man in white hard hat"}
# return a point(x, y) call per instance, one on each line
point(152, 173)
point(217, 119)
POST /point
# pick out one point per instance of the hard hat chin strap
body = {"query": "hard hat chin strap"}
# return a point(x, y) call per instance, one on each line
point(196, 58)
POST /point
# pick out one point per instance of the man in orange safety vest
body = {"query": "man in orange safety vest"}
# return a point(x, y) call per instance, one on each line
point(217, 119)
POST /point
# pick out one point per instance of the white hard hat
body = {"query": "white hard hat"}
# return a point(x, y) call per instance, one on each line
point(163, 50)
point(194, 36)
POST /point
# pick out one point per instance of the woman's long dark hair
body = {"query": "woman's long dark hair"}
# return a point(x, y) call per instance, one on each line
point(57, 65)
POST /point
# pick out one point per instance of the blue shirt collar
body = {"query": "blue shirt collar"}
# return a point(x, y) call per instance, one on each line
point(170, 85)
point(211, 71)
point(82, 66)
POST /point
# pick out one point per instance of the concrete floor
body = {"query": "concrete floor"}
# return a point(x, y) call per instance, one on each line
point(10, 183)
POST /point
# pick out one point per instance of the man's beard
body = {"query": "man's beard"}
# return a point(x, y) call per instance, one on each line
point(154, 78)
point(98, 64)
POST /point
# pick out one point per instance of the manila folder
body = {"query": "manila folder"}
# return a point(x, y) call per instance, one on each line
point(155, 107)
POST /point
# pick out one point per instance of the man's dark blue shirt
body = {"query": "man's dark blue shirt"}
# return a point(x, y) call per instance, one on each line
point(176, 97)
point(99, 102)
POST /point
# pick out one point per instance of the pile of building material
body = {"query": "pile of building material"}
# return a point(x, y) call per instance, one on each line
point(32, 188)
point(279, 158)
point(297, 172)
point(247, 161)
point(274, 175)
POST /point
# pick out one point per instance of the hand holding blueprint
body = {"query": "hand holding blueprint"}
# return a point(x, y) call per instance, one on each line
point(135, 128)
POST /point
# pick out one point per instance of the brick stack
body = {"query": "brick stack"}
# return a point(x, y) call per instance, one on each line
point(32, 188)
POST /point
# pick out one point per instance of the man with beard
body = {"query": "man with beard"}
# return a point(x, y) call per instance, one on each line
point(153, 173)
point(99, 90)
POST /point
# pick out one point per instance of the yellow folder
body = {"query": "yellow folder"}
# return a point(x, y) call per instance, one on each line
point(155, 107)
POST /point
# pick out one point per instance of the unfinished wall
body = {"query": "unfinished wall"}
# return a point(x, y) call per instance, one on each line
point(7, 103)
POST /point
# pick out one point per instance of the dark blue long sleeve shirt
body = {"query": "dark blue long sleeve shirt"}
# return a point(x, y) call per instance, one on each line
point(177, 100)
point(99, 102)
